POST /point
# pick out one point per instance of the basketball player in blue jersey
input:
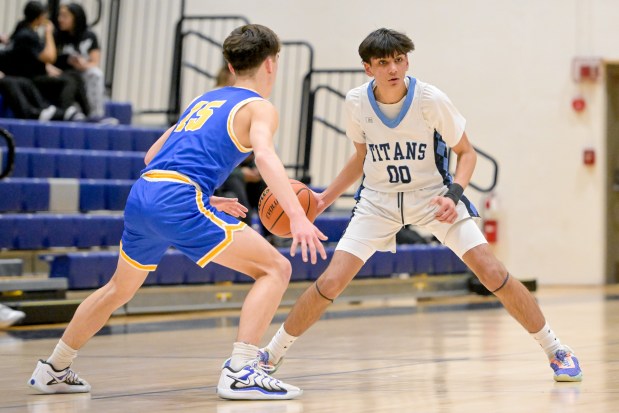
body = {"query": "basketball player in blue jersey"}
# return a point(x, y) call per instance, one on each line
point(401, 128)
point(172, 205)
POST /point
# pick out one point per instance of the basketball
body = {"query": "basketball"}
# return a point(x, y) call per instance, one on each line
point(273, 216)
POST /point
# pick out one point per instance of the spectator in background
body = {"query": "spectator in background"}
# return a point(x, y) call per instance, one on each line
point(79, 55)
point(30, 57)
point(25, 100)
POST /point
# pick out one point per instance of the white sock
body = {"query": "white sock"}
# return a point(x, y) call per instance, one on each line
point(62, 357)
point(547, 340)
point(242, 353)
point(280, 343)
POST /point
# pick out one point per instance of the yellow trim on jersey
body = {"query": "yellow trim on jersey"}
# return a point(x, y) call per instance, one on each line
point(134, 263)
point(231, 116)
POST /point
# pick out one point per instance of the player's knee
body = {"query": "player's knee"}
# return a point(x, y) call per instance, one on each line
point(282, 268)
point(492, 274)
point(331, 286)
point(117, 294)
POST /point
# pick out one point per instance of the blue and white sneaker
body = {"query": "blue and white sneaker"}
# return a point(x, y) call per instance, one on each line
point(266, 363)
point(565, 365)
point(252, 383)
point(46, 379)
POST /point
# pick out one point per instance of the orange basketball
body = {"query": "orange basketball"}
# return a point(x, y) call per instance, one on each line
point(273, 216)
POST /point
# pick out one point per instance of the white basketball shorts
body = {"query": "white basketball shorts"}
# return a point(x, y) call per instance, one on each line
point(378, 216)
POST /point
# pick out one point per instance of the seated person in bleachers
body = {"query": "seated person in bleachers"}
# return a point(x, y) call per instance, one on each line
point(30, 57)
point(79, 55)
point(25, 100)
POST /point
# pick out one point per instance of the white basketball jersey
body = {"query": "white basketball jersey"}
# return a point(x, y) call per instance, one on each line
point(407, 152)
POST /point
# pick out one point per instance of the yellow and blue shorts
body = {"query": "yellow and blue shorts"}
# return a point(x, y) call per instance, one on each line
point(166, 208)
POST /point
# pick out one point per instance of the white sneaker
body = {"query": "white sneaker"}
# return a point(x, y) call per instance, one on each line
point(46, 379)
point(48, 113)
point(8, 316)
point(252, 383)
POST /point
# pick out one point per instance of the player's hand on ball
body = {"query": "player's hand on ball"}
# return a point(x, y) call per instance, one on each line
point(321, 205)
point(230, 206)
point(306, 235)
point(445, 209)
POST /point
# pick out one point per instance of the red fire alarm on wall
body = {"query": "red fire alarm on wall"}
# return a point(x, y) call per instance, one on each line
point(589, 157)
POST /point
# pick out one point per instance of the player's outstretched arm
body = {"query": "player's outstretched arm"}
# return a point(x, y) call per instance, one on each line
point(262, 127)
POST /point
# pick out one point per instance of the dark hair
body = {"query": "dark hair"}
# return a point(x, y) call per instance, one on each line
point(80, 25)
point(32, 11)
point(79, 18)
point(384, 43)
point(248, 46)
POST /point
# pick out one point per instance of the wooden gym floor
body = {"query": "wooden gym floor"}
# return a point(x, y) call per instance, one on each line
point(461, 354)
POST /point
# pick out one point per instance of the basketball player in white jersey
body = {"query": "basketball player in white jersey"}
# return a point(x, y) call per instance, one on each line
point(401, 128)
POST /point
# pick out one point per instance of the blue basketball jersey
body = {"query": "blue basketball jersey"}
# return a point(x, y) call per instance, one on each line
point(203, 145)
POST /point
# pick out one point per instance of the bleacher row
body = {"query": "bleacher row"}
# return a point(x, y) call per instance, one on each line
point(94, 269)
point(63, 169)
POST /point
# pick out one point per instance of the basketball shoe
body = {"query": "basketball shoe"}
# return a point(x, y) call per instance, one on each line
point(46, 379)
point(252, 383)
point(565, 365)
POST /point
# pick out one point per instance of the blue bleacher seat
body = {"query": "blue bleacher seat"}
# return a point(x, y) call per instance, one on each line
point(89, 230)
point(171, 269)
point(194, 274)
point(120, 166)
point(332, 225)
point(116, 193)
point(97, 138)
point(35, 194)
point(404, 261)
point(60, 230)
point(29, 233)
point(321, 265)
point(22, 131)
point(107, 265)
point(47, 135)
point(92, 195)
point(21, 166)
point(7, 232)
point(219, 273)
point(383, 263)
point(69, 164)
point(73, 136)
point(42, 163)
point(120, 110)
point(422, 259)
point(96, 166)
point(114, 226)
point(121, 139)
point(143, 138)
point(80, 269)
point(11, 194)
